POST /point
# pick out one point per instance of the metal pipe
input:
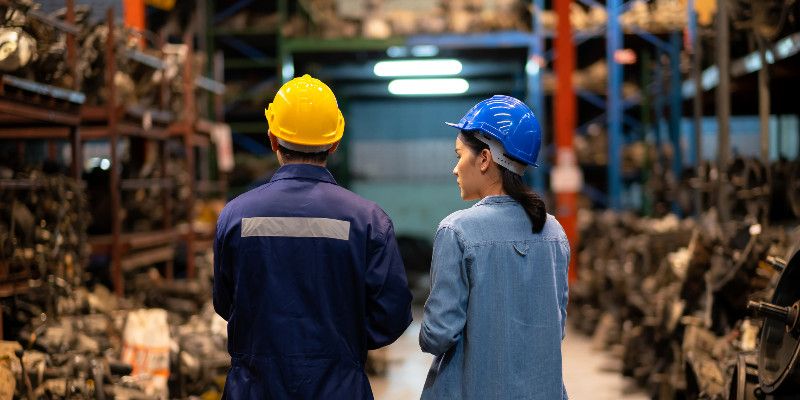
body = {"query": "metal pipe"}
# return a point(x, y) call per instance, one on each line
point(763, 100)
point(533, 75)
point(697, 108)
point(675, 105)
point(71, 53)
point(116, 223)
point(771, 311)
point(646, 109)
point(723, 105)
point(189, 117)
point(614, 107)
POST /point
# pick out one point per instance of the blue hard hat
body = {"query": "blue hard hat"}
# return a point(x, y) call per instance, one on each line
point(510, 122)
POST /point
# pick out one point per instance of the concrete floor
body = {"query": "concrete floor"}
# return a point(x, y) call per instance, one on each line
point(586, 371)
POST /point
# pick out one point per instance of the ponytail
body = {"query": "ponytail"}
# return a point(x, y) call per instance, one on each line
point(530, 201)
point(514, 186)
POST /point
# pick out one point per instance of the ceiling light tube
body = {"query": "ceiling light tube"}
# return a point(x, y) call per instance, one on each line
point(432, 87)
point(438, 67)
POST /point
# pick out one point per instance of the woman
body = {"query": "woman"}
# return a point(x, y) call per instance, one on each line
point(495, 316)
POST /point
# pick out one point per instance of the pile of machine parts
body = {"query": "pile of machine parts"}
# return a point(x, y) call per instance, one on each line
point(31, 47)
point(80, 341)
point(43, 225)
point(754, 190)
point(379, 19)
point(70, 335)
point(669, 297)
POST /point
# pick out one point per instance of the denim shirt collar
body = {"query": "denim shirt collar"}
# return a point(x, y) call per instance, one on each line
point(303, 171)
point(500, 199)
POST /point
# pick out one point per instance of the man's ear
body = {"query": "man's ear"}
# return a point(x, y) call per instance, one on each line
point(273, 142)
point(334, 148)
point(484, 160)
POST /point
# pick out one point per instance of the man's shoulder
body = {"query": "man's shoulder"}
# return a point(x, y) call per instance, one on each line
point(242, 199)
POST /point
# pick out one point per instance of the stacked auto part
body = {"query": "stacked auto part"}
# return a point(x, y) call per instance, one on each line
point(43, 225)
point(74, 348)
point(677, 315)
point(779, 347)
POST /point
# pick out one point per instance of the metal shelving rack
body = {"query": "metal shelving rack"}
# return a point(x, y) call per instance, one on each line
point(31, 110)
point(614, 105)
point(247, 57)
point(113, 122)
point(131, 250)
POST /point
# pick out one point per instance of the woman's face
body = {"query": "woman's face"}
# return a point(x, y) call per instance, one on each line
point(469, 175)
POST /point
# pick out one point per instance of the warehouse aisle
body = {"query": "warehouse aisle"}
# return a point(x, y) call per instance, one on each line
point(587, 376)
point(583, 372)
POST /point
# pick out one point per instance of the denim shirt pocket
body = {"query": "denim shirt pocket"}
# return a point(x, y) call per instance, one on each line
point(521, 248)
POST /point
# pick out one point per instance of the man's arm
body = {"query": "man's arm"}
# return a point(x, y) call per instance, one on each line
point(446, 308)
point(388, 297)
point(223, 285)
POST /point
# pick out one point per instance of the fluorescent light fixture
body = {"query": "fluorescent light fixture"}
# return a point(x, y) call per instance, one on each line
point(397, 51)
point(687, 89)
point(752, 62)
point(418, 67)
point(287, 71)
point(787, 46)
point(426, 50)
point(95, 162)
point(406, 87)
point(710, 77)
point(532, 67)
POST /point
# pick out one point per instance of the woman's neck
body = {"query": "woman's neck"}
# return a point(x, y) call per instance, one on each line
point(493, 190)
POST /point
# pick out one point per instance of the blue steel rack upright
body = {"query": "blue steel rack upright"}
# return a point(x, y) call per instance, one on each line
point(616, 105)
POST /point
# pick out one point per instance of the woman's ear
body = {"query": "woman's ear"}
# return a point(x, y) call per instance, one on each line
point(485, 160)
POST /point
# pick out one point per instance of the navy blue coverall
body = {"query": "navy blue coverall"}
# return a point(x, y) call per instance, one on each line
point(309, 277)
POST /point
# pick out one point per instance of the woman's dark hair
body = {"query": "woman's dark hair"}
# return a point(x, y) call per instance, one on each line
point(514, 186)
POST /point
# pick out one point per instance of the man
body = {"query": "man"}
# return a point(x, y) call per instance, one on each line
point(307, 274)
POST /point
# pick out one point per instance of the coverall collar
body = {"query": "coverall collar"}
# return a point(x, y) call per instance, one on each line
point(303, 171)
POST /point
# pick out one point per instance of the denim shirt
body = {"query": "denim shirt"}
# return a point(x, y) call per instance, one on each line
point(495, 316)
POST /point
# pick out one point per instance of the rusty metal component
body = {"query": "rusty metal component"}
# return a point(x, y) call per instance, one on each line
point(786, 315)
point(43, 229)
point(74, 351)
point(793, 188)
point(669, 296)
point(17, 49)
point(743, 381)
point(750, 188)
point(779, 352)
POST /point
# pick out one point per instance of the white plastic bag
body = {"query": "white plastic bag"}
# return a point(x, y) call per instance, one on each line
point(145, 346)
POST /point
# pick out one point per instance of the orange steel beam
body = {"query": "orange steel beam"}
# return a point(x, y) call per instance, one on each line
point(564, 123)
point(134, 16)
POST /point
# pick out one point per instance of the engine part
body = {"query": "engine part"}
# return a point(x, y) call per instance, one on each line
point(779, 350)
point(743, 383)
point(17, 49)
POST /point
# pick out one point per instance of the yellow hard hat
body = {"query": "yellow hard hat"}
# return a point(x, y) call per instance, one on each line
point(304, 112)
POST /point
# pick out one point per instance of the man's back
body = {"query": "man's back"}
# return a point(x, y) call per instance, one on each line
point(309, 277)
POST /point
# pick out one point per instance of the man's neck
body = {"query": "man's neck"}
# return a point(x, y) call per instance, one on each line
point(323, 165)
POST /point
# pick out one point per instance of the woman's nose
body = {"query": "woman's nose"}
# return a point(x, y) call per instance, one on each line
point(455, 170)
